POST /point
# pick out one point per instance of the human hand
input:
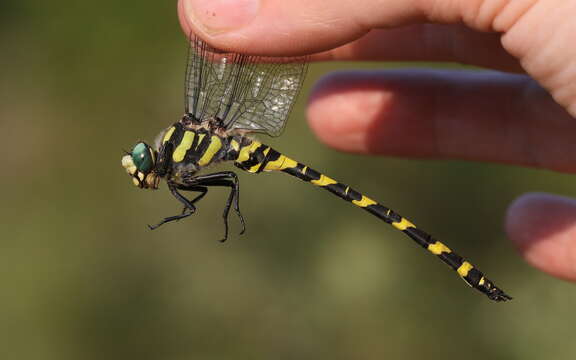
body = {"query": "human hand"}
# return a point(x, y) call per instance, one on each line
point(522, 117)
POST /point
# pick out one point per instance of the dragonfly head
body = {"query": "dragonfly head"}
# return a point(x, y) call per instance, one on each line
point(139, 164)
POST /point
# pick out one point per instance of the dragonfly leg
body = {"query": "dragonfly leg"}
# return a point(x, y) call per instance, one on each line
point(189, 207)
point(227, 179)
point(203, 191)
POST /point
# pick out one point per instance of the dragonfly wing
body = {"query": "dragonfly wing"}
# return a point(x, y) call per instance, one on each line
point(253, 93)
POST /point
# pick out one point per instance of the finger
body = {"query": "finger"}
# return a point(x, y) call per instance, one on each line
point(543, 228)
point(428, 42)
point(424, 42)
point(482, 116)
point(273, 26)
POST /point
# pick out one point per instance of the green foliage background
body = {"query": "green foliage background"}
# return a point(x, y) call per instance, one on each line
point(313, 278)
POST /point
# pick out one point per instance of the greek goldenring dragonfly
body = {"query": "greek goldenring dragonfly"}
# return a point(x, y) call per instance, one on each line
point(229, 96)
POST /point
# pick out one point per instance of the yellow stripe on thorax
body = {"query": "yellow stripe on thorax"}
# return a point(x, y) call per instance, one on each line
point(200, 138)
point(183, 147)
point(403, 224)
point(215, 145)
point(168, 134)
point(235, 145)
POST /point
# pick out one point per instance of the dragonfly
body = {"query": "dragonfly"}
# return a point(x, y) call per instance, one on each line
point(228, 98)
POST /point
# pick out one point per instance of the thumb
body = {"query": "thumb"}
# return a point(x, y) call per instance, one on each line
point(275, 27)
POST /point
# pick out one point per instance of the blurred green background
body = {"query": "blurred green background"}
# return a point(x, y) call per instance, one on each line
point(313, 278)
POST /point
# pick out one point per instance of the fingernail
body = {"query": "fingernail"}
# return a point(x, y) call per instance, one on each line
point(218, 16)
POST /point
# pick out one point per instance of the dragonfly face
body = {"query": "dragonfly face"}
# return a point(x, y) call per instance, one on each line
point(139, 164)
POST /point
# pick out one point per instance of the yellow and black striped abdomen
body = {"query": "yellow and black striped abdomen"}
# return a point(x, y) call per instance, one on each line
point(257, 157)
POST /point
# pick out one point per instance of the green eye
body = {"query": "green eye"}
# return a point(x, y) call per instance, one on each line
point(143, 157)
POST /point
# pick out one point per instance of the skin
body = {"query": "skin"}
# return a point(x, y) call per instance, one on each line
point(522, 114)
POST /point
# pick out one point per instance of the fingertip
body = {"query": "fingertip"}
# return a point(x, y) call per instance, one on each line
point(341, 108)
point(273, 28)
point(373, 112)
point(543, 228)
point(183, 18)
point(218, 16)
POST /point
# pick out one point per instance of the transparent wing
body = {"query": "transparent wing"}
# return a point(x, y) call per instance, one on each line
point(247, 92)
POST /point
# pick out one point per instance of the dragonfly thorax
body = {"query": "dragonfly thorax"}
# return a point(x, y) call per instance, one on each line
point(187, 147)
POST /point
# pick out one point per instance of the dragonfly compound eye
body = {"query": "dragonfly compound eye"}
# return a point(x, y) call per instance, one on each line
point(139, 164)
point(143, 157)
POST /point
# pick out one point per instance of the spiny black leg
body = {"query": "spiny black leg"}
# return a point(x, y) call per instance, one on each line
point(236, 198)
point(203, 191)
point(224, 178)
point(232, 199)
point(189, 207)
point(171, 218)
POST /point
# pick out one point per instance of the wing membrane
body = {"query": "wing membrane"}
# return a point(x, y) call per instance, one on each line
point(253, 93)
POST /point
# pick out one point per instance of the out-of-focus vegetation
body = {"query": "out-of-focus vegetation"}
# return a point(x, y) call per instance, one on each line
point(313, 278)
